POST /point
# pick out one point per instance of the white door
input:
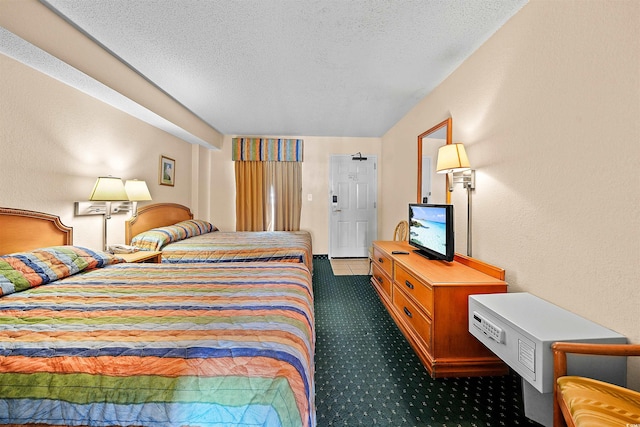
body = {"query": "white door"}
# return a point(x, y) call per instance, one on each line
point(353, 193)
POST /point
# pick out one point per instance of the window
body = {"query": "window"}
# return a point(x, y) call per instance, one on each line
point(268, 191)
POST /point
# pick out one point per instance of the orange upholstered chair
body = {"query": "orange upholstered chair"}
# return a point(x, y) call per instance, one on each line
point(580, 401)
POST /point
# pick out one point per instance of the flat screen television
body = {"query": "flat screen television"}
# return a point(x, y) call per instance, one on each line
point(431, 230)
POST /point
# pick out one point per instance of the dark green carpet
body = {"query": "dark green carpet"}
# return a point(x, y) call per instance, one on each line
point(367, 374)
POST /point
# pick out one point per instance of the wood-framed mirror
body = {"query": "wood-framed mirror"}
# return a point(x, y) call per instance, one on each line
point(433, 187)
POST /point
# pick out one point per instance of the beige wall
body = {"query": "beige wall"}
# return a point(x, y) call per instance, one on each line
point(315, 181)
point(541, 106)
point(549, 110)
point(55, 141)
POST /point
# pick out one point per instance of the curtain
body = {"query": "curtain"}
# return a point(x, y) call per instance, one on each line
point(283, 187)
point(268, 183)
point(268, 196)
point(250, 192)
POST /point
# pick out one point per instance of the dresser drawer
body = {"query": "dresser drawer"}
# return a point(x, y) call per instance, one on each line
point(383, 261)
point(413, 316)
point(421, 293)
point(382, 279)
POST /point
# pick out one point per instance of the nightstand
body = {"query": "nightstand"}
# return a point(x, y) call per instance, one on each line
point(143, 256)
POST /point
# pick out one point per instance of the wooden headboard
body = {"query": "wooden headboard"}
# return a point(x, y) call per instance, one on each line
point(154, 216)
point(22, 230)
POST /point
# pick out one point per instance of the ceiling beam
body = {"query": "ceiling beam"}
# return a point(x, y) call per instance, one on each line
point(35, 23)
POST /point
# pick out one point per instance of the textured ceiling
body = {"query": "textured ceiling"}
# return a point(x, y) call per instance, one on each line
point(292, 67)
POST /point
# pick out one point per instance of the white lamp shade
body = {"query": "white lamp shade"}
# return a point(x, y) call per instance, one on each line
point(108, 189)
point(452, 158)
point(137, 190)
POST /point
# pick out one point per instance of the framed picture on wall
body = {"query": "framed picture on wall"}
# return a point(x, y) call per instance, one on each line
point(167, 171)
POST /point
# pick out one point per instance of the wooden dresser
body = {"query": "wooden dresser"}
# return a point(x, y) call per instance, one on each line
point(428, 300)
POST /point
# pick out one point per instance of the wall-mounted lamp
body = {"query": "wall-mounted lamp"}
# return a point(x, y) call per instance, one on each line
point(108, 189)
point(453, 160)
point(111, 196)
point(137, 191)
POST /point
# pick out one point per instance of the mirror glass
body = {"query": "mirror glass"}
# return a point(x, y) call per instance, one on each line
point(432, 186)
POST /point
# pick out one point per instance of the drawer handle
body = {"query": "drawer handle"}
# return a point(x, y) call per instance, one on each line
point(407, 312)
point(409, 284)
point(380, 260)
point(379, 279)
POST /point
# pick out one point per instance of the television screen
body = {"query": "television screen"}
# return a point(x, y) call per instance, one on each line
point(431, 230)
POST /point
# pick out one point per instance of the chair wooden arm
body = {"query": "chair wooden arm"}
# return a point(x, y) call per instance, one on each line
point(560, 350)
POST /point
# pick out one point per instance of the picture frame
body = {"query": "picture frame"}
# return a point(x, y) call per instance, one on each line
point(167, 172)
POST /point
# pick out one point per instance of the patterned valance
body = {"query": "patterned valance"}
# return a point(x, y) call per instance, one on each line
point(267, 149)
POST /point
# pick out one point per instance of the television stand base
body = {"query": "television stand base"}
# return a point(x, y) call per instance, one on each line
point(425, 254)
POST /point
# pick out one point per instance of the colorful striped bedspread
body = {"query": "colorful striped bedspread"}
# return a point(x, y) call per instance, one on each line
point(161, 345)
point(242, 246)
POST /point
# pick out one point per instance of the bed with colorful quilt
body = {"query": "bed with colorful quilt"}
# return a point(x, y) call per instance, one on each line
point(170, 228)
point(88, 340)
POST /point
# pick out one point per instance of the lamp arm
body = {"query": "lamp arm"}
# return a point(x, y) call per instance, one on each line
point(469, 223)
point(108, 210)
point(468, 181)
